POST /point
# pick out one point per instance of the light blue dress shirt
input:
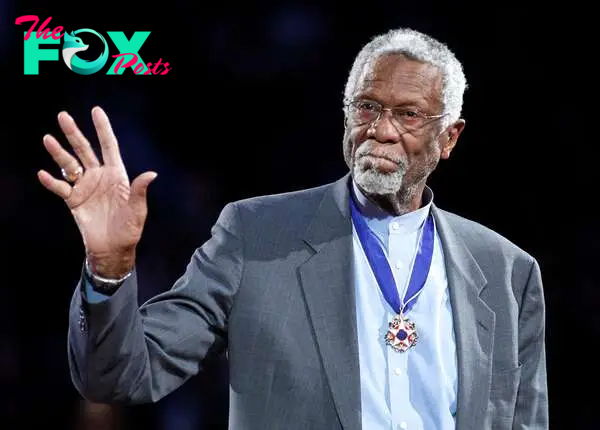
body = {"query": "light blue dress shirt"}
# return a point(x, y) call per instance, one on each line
point(413, 390)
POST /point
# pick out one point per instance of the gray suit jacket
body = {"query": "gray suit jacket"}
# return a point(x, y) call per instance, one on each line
point(273, 287)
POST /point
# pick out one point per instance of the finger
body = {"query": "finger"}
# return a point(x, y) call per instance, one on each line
point(58, 187)
point(108, 142)
point(63, 158)
point(80, 144)
point(139, 191)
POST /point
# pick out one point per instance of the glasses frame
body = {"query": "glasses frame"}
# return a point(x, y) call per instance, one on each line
point(381, 109)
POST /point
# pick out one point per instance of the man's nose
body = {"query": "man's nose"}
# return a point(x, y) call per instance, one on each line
point(384, 130)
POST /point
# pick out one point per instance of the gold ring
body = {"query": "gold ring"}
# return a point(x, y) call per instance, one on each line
point(72, 177)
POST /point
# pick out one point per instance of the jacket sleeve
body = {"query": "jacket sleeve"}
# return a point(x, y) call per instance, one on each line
point(531, 410)
point(120, 352)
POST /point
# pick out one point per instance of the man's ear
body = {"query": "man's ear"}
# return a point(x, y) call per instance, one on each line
point(451, 138)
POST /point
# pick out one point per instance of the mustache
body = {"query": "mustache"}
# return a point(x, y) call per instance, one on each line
point(367, 150)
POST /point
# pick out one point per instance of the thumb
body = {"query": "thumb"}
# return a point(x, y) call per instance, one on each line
point(139, 190)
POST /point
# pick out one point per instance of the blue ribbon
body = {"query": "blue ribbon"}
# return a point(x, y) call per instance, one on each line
point(380, 265)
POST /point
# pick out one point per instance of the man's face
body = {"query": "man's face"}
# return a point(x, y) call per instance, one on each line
point(385, 158)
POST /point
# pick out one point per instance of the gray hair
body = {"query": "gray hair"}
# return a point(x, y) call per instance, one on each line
point(416, 46)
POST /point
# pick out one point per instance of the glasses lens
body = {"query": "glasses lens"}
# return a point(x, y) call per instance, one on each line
point(406, 122)
point(363, 112)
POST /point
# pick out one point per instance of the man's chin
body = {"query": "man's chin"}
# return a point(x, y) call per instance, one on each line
point(378, 183)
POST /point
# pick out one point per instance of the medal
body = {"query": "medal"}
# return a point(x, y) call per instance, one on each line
point(402, 333)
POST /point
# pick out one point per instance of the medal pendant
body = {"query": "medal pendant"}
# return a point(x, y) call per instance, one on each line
point(402, 334)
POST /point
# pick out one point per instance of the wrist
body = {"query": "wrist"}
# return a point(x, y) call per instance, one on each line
point(113, 266)
point(106, 286)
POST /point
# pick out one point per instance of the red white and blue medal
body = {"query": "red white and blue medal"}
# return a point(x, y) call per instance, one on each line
point(402, 332)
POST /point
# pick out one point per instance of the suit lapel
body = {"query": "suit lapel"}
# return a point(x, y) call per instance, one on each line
point(328, 288)
point(473, 325)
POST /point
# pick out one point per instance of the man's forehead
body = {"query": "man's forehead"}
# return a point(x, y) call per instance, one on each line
point(398, 75)
point(397, 66)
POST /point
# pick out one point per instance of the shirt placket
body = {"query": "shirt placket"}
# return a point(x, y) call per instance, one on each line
point(397, 362)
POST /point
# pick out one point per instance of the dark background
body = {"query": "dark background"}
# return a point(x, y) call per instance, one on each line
point(252, 106)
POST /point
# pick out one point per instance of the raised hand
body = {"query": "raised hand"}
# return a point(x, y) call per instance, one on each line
point(109, 211)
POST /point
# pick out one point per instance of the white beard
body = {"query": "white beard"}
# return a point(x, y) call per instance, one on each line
point(372, 181)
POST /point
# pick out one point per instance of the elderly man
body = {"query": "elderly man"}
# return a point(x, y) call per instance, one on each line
point(368, 308)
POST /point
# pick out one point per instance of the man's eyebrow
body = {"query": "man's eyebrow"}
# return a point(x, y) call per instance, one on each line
point(419, 103)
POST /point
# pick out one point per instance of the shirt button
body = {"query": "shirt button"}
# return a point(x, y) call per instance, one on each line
point(395, 226)
point(399, 264)
point(398, 371)
point(403, 425)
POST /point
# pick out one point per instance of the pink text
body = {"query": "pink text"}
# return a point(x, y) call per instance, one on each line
point(139, 67)
point(43, 32)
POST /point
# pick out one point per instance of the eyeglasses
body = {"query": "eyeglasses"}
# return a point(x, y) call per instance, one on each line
point(362, 112)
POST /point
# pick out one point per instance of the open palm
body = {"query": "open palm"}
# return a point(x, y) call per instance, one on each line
point(109, 211)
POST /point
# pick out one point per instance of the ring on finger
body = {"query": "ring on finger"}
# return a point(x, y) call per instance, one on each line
point(73, 176)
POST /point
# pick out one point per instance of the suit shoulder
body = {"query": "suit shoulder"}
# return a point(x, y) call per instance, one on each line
point(277, 221)
point(479, 237)
point(278, 215)
point(287, 201)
